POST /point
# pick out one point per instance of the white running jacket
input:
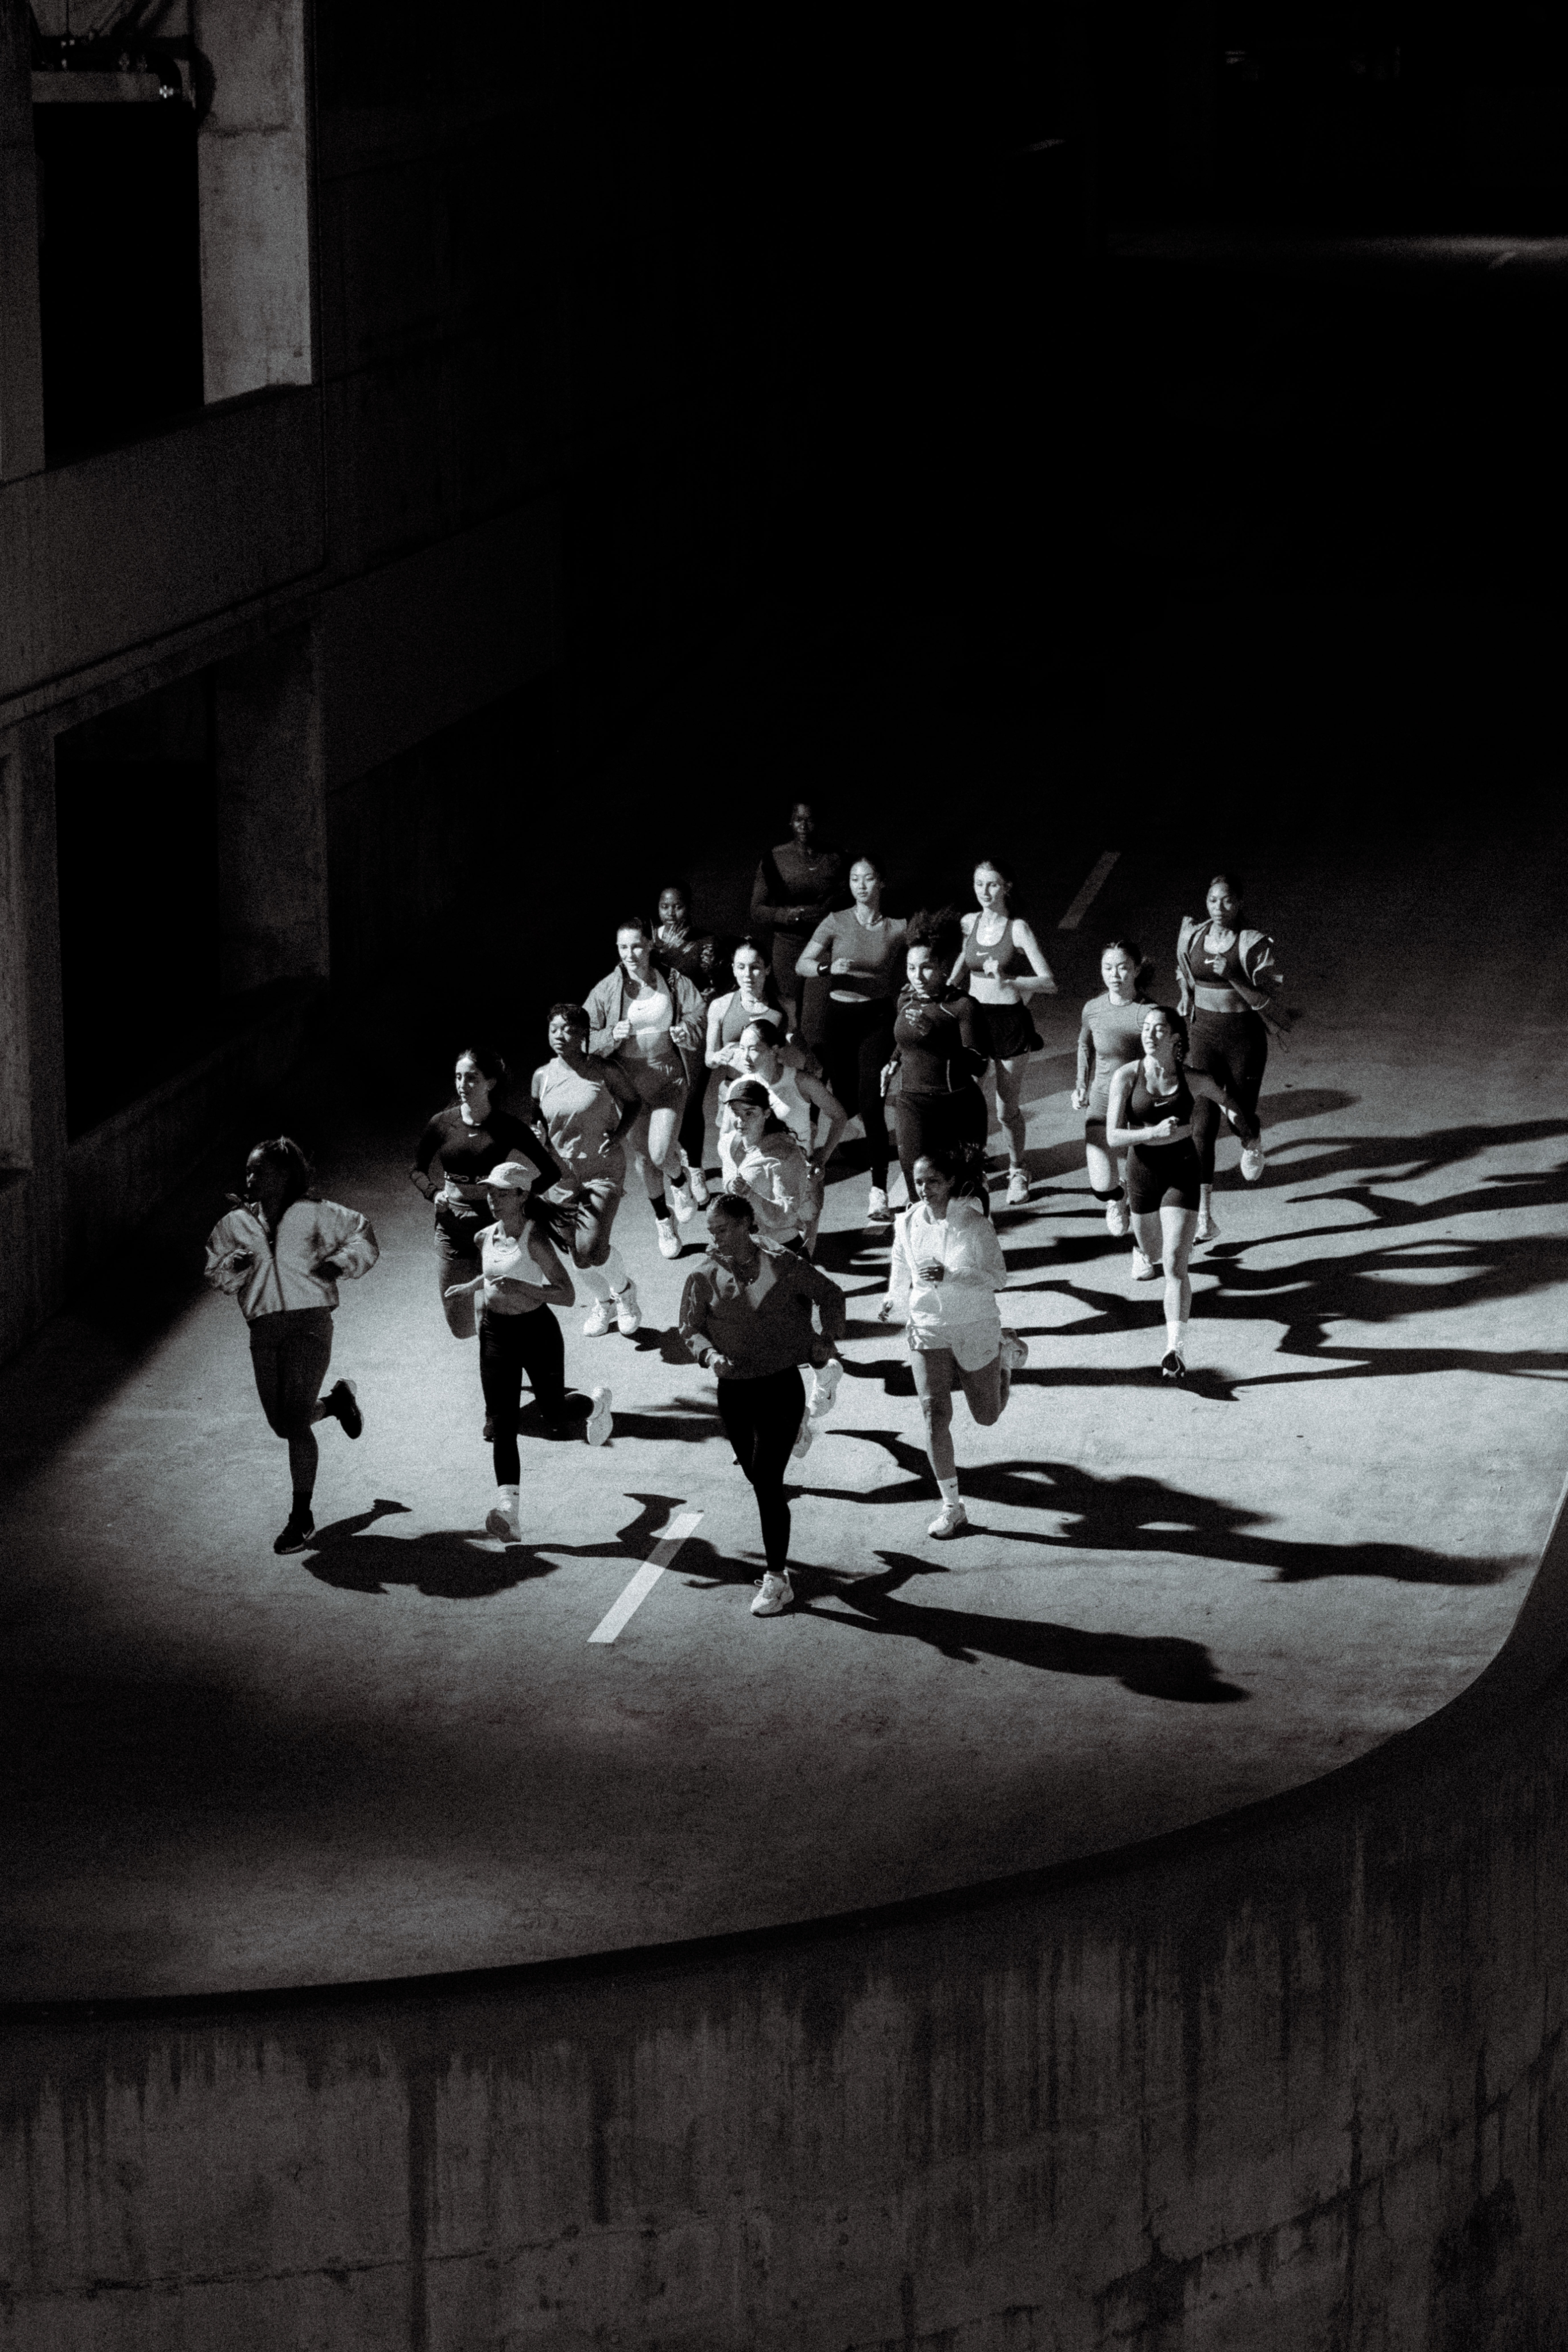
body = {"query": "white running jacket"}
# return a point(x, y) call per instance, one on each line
point(268, 1272)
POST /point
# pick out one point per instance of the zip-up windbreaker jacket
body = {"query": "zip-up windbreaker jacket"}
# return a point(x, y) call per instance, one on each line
point(270, 1273)
point(606, 1004)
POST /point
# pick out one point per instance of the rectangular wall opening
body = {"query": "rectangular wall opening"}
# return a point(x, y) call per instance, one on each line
point(136, 813)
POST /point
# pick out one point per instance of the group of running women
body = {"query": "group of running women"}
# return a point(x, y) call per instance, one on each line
point(911, 1013)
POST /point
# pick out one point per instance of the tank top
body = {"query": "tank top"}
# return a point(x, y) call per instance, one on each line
point(735, 1017)
point(1007, 951)
point(935, 1054)
point(505, 1257)
point(581, 1117)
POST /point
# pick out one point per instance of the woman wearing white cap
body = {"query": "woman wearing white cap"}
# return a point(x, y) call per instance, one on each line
point(521, 1279)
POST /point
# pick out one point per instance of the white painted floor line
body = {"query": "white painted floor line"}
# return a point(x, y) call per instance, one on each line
point(1094, 884)
point(661, 1558)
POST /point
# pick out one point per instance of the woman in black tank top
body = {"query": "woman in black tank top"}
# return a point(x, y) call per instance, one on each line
point(937, 1056)
point(1150, 1116)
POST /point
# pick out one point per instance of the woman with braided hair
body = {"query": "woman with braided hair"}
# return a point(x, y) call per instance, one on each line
point(939, 1051)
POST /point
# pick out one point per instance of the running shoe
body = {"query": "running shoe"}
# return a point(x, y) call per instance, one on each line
point(1206, 1229)
point(1118, 1220)
point(878, 1211)
point(628, 1314)
point(696, 1179)
point(775, 1596)
point(1017, 1187)
point(803, 1436)
point(502, 1525)
point(950, 1520)
point(1144, 1269)
point(669, 1240)
point(824, 1388)
point(601, 1315)
point(680, 1199)
point(1172, 1367)
point(596, 1428)
point(1015, 1350)
point(1252, 1163)
point(344, 1405)
point(296, 1535)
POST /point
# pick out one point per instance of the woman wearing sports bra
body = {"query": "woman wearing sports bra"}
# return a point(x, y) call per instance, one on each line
point(1227, 978)
point(580, 1105)
point(1150, 1116)
point(1002, 965)
point(859, 950)
point(650, 1023)
point(1111, 1035)
point(469, 1138)
point(938, 1058)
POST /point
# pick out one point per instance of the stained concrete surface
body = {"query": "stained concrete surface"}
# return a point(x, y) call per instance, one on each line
point(399, 1752)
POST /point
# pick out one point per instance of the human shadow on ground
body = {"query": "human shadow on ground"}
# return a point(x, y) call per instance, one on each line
point(1154, 1665)
point(1414, 1157)
point(455, 1563)
point(1135, 1513)
point(1522, 1189)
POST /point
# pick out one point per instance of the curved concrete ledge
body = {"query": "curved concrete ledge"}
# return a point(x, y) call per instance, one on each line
point(1294, 2080)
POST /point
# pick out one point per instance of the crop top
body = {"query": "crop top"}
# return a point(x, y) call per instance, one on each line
point(878, 944)
point(1247, 959)
point(1009, 956)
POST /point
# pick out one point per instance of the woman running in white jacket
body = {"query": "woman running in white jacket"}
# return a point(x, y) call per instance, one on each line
point(282, 1253)
point(947, 1268)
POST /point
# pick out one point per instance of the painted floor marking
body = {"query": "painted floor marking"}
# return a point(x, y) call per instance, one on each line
point(661, 1558)
point(1090, 892)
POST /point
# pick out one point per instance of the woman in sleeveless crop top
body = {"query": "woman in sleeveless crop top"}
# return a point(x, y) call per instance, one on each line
point(860, 952)
point(1004, 969)
point(1109, 1035)
point(1226, 979)
point(1150, 1116)
point(581, 1104)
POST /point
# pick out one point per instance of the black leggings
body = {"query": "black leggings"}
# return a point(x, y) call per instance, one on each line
point(694, 1121)
point(1231, 1048)
point(761, 1420)
point(509, 1346)
point(857, 1044)
point(954, 1123)
point(289, 1353)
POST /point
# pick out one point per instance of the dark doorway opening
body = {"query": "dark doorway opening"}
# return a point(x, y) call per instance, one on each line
point(136, 813)
point(119, 272)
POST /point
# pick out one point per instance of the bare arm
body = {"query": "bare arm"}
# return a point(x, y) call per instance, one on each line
point(831, 1108)
point(1041, 980)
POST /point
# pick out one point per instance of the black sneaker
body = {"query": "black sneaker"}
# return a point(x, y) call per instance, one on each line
point(297, 1534)
point(345, 1405)
point(1172, 1368)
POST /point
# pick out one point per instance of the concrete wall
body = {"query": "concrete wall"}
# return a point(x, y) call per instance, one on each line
point(1293, 2083)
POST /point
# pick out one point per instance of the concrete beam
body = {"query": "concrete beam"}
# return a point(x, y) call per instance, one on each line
point(253, 165)
point(21, 366)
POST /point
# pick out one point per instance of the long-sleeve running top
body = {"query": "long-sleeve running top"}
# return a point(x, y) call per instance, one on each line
point(939, 1049)
point(777, 1180)
point(718, 1318)
point(795, 887)
point(270, 1272)
point(973, 1270)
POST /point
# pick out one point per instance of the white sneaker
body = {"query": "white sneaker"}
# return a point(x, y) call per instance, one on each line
point(1118, 1220)
point(775, 1596)
point(950, 1520)
point(824, 1388)
point(878, 1211)
point(803, 1436)
point(601, 1315)
point(669, 1240)
point(505, 1524)
point(1252, 1163)
point(1017, 1187)
point(1205, 1228)
point(628, 1314)
point(1015, 1350)
point(1144, 1269)
point(697, 1182)
point(596, 1428)
point(680, 1199)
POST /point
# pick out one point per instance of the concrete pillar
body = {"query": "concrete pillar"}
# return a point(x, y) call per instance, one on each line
point(272, 813)
point(21, 368)
point(253, 166)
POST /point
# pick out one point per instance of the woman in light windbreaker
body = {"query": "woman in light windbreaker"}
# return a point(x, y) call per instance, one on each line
point(650, 1023)
point(282, 1253)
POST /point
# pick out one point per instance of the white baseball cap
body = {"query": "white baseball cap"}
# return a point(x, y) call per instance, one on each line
point(511, 1176)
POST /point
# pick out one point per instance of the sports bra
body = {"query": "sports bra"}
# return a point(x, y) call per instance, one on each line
point(1007, 951)
point(1146, 1110)
point(735, 1017)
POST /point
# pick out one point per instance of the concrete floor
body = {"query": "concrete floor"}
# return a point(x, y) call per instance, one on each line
point(400, 1752)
